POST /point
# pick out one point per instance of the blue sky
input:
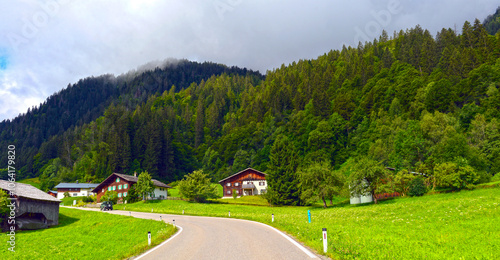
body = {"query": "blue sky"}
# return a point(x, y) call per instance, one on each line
point(48, 44)
point(3, 62)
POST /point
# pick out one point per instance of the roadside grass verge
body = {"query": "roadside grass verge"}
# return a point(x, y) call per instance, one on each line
point(458, 225)
point(244, 200)
point(88, 235)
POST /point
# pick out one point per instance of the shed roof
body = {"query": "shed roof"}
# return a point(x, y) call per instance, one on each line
point(245, 170)
point(27, 191)
point(65, 185)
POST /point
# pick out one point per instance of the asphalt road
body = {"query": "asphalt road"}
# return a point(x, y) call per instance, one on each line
point(222, 238)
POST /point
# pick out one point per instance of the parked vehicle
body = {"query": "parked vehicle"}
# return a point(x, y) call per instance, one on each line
point(106, 205)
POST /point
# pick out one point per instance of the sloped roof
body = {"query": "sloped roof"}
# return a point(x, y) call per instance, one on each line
point(27, 191)
point(65, 185)
point(247, 169)
point(129, 178)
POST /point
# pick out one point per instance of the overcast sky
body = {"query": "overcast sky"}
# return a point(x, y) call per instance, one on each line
point(47, 44)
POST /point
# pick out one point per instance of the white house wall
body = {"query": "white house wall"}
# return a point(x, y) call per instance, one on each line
point(258, 189)
point(159, 193)
point(82, 192)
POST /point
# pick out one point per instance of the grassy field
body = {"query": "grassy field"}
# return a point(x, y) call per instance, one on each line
point(88, 235)
point(33, 182)
point(69, 200)
point(174, 191)
point(461, 225)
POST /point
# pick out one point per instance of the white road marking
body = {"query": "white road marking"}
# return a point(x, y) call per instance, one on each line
point(302, 248)
point(158, 246)
point(305, 250)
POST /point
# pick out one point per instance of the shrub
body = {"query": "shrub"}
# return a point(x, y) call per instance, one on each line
point(88, 199)
point(235, 195)
point(484, 177)
point(451, 175)
point(110, 196)
point(196, 186)
point(132, 195)
point(4, 202)
point(417, 187)
point(402, 182)
point(66, 194)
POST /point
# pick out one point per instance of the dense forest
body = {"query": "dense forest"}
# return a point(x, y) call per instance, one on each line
point(411, 101)
point(43, 128)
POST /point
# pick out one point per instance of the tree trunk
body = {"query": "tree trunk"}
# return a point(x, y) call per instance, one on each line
point(324, 202)
point(374, 198)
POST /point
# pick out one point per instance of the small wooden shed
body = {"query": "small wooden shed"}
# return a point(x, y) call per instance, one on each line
point(34, 209)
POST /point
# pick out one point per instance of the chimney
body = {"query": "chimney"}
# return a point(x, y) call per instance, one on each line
point(135, 174)
point(76, 181)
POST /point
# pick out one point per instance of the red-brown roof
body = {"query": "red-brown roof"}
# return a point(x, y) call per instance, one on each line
point(245, 170)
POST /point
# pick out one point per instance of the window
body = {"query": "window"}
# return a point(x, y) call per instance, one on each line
point(125, 194)
point(119, 187)
point(119, 195)
point(228, 184)
point(102, 189)
point(228, 192)
point(114, 187)
point(109, 188)
point(75, 194)
point(237, 191)
point(117, 179)
point(236, 184)
point(125, 186)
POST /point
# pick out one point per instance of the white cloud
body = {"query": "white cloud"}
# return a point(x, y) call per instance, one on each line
point(50, 43)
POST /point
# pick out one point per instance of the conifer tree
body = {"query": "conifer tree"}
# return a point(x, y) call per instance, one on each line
point(282, 177)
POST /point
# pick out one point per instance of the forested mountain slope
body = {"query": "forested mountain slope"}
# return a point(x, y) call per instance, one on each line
point(86, 100)
point(411, 101)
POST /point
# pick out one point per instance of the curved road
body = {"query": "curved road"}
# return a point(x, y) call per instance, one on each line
point(222, 238)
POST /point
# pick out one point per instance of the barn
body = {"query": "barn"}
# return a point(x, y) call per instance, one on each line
point(34, 209)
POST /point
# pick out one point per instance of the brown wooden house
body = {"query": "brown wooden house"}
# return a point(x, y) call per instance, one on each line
point(246, 182)
point(121, 183)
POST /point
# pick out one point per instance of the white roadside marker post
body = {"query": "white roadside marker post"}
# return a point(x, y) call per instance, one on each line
point(173, 222)
point(182, 212)
point(149, 238)
point(229, 213)
point(325, 241)
point(160, 218)
point(272, 217)
point(151, 210)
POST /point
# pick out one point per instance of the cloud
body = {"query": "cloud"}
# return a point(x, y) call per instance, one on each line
point(48, 44)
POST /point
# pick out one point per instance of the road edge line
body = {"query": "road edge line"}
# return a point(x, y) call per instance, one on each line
point(297, 244)
point(163, 243)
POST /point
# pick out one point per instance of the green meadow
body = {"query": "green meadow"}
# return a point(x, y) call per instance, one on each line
point(35, 182)
point(88, 235)
point(459, 225)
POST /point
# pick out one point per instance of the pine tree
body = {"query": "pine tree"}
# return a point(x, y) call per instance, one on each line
point(282, 177)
